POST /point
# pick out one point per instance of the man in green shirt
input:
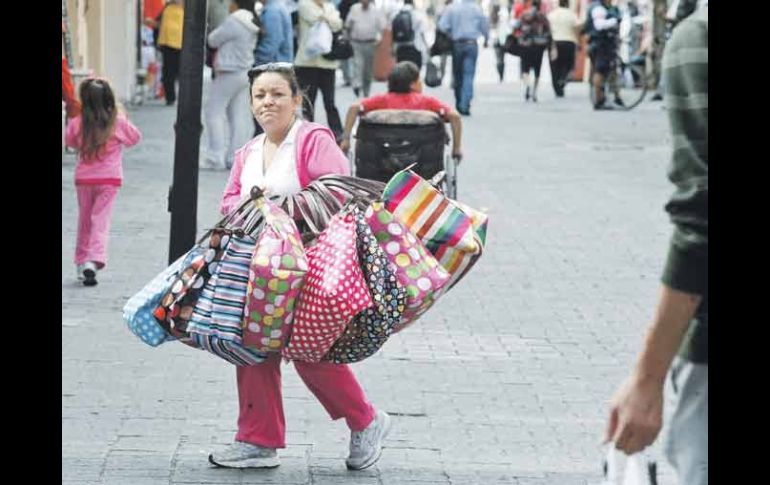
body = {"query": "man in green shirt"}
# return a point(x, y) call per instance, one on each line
point(681, 319)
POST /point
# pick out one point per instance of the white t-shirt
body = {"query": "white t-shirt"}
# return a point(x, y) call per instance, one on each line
point(281, 178)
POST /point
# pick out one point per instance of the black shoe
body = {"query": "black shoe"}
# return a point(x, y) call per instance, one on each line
point(657, 97)
point(526, 94)
point(357, 92)
point(464, 112)
point(620, 102)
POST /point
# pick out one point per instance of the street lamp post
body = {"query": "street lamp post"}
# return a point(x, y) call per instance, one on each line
point(183, 193)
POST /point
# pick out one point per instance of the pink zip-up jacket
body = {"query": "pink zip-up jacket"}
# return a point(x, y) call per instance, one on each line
point(317, 154)
point(107, 168)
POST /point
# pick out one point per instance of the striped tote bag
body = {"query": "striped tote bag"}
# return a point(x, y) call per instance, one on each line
point(454, 233)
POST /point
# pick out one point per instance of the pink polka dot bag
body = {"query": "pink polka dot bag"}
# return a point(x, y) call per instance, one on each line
point(333, 293)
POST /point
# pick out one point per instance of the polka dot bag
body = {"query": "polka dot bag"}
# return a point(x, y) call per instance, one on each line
point(276, 274)
point(371, 328)
point(333, 293)
point(138, 310)
point(417, 270)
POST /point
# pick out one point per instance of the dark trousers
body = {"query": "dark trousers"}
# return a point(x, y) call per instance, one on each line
point(409, 53)
point(310, 80)
point(562, 66)
point(170, 71)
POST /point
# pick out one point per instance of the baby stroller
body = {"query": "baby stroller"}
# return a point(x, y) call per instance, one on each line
point(390, 140)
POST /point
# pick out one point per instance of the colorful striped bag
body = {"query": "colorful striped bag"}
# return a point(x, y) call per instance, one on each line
point(453, 232)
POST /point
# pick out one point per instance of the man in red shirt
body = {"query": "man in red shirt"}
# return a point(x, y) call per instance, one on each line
point(404, 92)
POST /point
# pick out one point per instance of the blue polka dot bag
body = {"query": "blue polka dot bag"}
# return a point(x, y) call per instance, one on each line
point(137, 313)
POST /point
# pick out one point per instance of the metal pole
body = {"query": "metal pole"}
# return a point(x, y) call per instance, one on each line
point(183, 194)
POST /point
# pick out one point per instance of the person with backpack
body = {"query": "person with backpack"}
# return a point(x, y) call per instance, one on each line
point(408, 27)
point(464, 22)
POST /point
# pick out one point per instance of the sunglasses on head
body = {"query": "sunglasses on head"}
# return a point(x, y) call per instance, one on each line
point(271, 67)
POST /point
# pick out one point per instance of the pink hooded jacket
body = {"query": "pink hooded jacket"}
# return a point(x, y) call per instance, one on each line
point(317, 155)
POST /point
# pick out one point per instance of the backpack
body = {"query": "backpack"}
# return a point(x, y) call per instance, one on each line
point(402, 27)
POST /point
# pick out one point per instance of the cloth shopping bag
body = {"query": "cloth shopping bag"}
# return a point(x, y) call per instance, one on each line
point(228, 350)
point(177, 304)
point(276, 274)
point(371, 328)
point(416, 269)
point(333, 293)
point(454, 233)
point(138, 310)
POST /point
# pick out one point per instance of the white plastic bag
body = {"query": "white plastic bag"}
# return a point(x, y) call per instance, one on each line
point(319, 40)
point(620, 469)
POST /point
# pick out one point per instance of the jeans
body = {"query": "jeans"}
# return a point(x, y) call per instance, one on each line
point(686, 445)
point(561, 67)
point(464, 57)
point(95, 203)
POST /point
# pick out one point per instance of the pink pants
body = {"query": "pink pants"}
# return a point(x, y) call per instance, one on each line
point(260, 418)
point(95, 203)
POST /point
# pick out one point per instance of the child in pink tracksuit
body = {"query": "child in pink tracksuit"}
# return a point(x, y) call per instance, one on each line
point(99, 134)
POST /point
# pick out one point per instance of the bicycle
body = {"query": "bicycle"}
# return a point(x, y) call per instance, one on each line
point(626, 82)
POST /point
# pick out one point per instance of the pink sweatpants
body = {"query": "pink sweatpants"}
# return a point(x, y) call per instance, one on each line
point(95, 203)
point(260, 419)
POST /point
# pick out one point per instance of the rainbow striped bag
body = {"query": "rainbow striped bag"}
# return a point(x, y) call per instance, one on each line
point(453, 232)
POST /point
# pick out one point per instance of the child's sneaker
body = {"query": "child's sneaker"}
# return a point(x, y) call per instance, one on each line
point(79, 272)
point(89, 274)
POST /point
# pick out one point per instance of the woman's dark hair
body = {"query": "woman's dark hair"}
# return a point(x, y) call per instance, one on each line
point(283, 69)
point(402, 76)
point(99, 113)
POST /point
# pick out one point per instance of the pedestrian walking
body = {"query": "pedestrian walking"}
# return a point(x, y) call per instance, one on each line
point(346, 65)
point(564, 30)
point(408, 26)
point(290, 154)
point(228, 121)
point(534, 34)
point(677, 339)
point(170, 44)
point(364, 26)
point(314, 73)
point(464, 22)
point(99, 132)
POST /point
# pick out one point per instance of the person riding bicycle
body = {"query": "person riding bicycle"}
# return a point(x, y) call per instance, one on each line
point(603, 30)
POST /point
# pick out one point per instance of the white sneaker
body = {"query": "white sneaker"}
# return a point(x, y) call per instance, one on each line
point(89, 273)
point(245, 455)
point(366, 445)
point(79, 272)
